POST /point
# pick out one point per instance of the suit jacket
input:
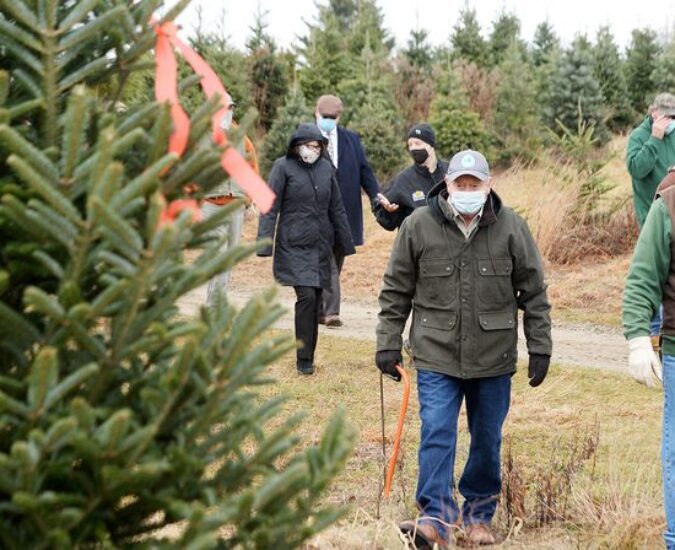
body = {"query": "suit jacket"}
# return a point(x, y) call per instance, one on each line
point(354, 173)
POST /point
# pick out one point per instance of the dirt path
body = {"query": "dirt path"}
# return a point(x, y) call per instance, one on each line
point(573, 345)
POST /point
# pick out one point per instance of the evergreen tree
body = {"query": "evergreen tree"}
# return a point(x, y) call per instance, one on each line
point(119, 416)
point(457, 126)
point(294, 111)
point(267, 73)
point(575, 93)
point(368, 25)
point(505, 34)
point(515, 120)
point(663, 75)
point(544, 43)
point(641, 57)
point(373, 112)
point(324, 58)
point(608, 71)
point(467, 41)
point(418, 51)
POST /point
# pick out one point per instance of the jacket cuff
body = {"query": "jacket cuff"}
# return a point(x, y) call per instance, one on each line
point(387, 342)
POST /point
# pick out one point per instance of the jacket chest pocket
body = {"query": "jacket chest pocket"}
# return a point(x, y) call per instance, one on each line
point(438, 281)
point(494, 281)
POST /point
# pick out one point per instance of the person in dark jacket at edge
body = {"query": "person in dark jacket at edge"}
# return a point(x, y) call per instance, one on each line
point(346, 152)
point(410, 188)
point(311, 223)
point(464, 264)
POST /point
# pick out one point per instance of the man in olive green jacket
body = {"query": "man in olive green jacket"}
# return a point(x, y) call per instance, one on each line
point(464, 265)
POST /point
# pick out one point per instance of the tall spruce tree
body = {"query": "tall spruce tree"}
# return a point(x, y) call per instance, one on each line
point(516, 119)
point(608, 71)
point(119, 416)
point(323, 56)
point(371, 111)
point(505, 34)
point(467, 40)
point(574, 93)
point(267, 73)
point(545, 41)
point(418, 50)
point(641, 57)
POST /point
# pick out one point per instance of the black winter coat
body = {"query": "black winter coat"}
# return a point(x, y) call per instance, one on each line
point(409, 190)
point(311, 217)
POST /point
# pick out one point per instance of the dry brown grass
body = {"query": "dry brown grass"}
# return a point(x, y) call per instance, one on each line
point(612, 497)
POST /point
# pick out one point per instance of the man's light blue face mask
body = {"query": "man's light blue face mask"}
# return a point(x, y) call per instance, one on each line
point(326, 124)
point(670, 127)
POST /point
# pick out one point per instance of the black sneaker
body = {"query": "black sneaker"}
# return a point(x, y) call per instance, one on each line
point(305, 367)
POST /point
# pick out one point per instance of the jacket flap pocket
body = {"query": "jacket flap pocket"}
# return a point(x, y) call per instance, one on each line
point(502, 266)
point(436, 268)
point(497, 321)
point(442, 320)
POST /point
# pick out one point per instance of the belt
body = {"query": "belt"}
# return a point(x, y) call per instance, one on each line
point(221, 200)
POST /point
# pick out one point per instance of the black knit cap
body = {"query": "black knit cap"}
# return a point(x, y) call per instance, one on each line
point(423, 132)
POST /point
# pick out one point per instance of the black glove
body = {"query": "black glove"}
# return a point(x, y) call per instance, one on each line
point(538, 368)
point(387, 360)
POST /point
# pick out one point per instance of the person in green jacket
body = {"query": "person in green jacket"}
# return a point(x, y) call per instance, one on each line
point(650, 152)
point(464, 264)
point(651, 282)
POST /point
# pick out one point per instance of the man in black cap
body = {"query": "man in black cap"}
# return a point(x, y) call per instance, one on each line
point(410, 188)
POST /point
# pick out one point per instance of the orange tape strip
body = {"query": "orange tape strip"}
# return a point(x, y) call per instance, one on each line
point(232, 162)
point(235, 165)
point(166, 89)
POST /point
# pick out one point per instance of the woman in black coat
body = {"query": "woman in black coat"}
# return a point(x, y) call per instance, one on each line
point(311, 223)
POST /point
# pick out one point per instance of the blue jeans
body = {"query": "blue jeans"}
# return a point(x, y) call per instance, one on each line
point(487, 403)
point(668, 448)
point(655, 323)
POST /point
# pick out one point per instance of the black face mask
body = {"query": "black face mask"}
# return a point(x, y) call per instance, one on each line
point(420, 156)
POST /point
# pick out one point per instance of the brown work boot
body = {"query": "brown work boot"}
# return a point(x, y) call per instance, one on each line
point(477, 534)
point(423, 536)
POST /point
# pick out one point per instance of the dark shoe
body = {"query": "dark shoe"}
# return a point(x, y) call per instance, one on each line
point(423, 536)
point(305, 367)
point(333, 321)
point(322, 320)
point(478, 534)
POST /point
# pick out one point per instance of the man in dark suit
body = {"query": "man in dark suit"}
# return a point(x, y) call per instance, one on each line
point(353, 173)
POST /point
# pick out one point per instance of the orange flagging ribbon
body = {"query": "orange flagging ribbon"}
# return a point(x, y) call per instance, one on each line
point(166, 89)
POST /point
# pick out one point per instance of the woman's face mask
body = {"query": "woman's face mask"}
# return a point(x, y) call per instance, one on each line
point(308, 153)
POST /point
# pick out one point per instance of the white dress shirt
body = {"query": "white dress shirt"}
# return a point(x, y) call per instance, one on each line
point(332, 145)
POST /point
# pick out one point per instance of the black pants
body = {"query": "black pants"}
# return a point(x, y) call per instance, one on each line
point(307, 320)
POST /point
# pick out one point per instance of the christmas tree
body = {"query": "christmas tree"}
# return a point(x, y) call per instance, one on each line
point(119, 416)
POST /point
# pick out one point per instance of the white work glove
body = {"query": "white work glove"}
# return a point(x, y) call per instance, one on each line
point(645, 366)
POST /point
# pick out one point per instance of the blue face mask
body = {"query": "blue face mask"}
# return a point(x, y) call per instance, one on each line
point(327, 124)
point(468, 202)
point(670, 127)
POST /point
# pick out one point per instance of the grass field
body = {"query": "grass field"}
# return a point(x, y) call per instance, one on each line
point(587, 441)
